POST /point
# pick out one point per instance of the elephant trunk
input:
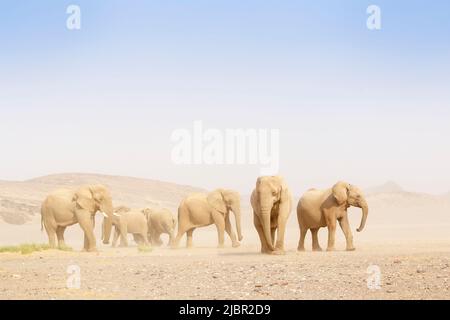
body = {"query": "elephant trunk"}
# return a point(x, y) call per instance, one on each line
point(365, 212)
point(265, 215)
point(107, 223)
point(237, 216)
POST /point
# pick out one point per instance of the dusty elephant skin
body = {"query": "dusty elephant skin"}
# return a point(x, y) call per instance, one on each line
point(271, 202)
point(204, 209)
point(323, 208)
point(132, 222)
point(64, 208)
point(230, 273)
point(160, 221)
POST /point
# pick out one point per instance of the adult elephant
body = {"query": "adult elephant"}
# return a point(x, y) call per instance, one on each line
point(160, 221)
point(204, 209)
point(322, 208)
point(64, 208)
point(272, 204)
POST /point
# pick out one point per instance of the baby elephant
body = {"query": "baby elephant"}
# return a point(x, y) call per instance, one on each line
point(130, 222)
point(160, 221)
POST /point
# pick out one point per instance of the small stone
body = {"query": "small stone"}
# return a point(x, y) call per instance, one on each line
point(420, 270)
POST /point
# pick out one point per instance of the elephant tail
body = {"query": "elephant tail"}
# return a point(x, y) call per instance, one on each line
point(42, 218)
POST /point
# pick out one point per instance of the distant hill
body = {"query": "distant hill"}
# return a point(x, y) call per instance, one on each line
point(388, 187)
point(20, 201)
point(390, 204)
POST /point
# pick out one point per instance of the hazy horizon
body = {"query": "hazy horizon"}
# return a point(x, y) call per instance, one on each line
point(350, 103)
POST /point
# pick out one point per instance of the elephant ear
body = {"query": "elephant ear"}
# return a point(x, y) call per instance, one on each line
point(146, 212)
point(340, 190)
point(285, 195)
point(84, 199)
point(217, 201)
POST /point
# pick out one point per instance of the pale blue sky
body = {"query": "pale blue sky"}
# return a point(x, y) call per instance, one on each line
point(353, 104)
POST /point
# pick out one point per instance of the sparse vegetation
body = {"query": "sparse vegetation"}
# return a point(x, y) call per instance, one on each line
point(25, 248)
point(144, 249)
point(65, 248)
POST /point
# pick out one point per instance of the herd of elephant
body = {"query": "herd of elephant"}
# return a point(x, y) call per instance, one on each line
point(271, 201)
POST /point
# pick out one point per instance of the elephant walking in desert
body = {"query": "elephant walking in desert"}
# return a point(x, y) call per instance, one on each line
point(271, 203)
point(160, 221)
point(322, 208)
point(204, 209)
point(129, 221)
point(64, 208)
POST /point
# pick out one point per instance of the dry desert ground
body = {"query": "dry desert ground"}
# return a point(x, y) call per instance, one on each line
point(408, 271)
point(407, 240)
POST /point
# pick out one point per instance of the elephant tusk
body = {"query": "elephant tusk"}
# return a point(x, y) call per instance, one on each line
point(117, 215)
point(104, 214)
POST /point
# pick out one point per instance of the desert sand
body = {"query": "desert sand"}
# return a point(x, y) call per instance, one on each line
point(406, 238)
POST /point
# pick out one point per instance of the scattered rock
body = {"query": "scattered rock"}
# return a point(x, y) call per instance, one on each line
point(420, 270)
point(390, 291)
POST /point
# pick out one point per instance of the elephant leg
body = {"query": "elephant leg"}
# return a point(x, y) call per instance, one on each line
point(180, 234)
point(144, 239)
point(345, 226)
point(138, 238)
point(85, 221)
point(220, 225)
point(189, 238)
point(153, 238)
point(264, 247)
point(231, 233)
point(279, 245)
point(315, 240)
point(60, 235)
point(116, 237)
point(272, 233)
point(123, 236)
point(171, 237)
point(331, 234)
point(183, 225)
point(301, 242)
point(51, 233)
point(158, 240)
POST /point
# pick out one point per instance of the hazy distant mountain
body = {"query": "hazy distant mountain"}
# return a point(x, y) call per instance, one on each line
point(388, 187)
point(389, 204)
point(20, 201)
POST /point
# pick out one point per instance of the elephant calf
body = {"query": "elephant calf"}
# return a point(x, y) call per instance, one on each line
point(160, 221)
point(130, 222)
